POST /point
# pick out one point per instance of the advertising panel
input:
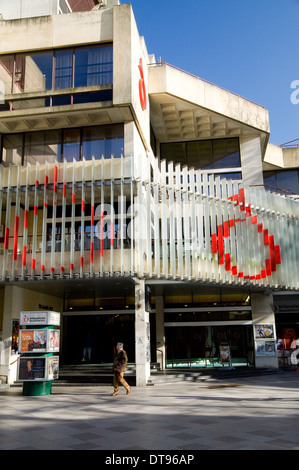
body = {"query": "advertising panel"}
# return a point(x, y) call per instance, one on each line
point(38, 369)
point(38, 341)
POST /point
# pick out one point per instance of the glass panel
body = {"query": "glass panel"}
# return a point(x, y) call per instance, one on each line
point(94, 66)
point(42, 147)
point(33, 72)
point(12, 149)
point(269, 179)
point(288, 181)
point(63, 69)
point(226, 153)
point(174, 152)
point(199, 154)
point(71, 145)
point(92, 97)
point(102, 140)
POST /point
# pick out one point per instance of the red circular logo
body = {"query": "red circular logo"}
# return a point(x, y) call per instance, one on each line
point(142, 90)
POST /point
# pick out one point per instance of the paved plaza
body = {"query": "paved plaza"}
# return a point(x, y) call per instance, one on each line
point(245, 413)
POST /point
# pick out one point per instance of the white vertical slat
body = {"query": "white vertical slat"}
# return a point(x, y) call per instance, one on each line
point(73, 234)
point(63, 216)
point(82, 241)
point(122, 212)
point(112, 218)
point(193, 227)
point(186, 224)
point(45, 213)
point(171, 208)
point(164, 214)
point(92, 213)
point(16, 225)
point(54, 211)
point(200, 227)
point(179, 228)
point(102, 215)
point(7, 224)
point(25, 225)
point(35, 220)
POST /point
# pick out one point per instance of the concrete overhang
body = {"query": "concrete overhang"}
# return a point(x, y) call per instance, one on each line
point(278, 157)
point(59, 117)
point(184, 107)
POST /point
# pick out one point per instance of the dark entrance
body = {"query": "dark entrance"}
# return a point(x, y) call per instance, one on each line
point(104, 330)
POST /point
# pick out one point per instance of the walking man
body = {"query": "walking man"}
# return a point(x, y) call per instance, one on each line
point(119, 367)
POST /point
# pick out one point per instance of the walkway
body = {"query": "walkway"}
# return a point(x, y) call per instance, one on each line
point(240, 413)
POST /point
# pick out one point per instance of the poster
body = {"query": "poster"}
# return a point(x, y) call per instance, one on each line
point(38, 341)
point(32, 369)
point(264, 331)
point(265, 348)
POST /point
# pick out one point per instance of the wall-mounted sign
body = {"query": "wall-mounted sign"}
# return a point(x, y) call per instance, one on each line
point(264, 331)
point(38, 369)
point(38, 341)
point(142, 90)
point(47, 318)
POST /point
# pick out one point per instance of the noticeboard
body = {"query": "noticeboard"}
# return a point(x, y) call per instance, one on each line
point(47, 318)
point(38, 341)
point(38, 369)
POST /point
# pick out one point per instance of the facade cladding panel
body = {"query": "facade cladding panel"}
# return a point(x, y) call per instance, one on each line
point(92, 218)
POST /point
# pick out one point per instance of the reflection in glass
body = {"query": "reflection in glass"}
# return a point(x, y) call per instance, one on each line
point(286, 180)
point(101, 141)
point(33, 72)
point(71, 145)
point(63, 69)
point(42, 147)
point(12, 149)
point(93, 66)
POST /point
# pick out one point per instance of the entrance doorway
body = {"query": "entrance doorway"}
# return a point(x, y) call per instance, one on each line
point(201, 346)
point(101, 333)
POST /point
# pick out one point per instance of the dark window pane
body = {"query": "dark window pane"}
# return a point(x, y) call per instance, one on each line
point(174, 152)
point(93, 66)
point(61, 100)
point(63, 69)
point(269, 179)
point(42, 147)
point(226, 153)
point(93, 97)
point(199, 154)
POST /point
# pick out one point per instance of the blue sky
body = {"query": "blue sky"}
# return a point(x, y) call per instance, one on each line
point(250, 47)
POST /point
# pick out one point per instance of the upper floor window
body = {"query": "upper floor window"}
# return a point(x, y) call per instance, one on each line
point(57, 70)
point(204, 154)
point(285, 181)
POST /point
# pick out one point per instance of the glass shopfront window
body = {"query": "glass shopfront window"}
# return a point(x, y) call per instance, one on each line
point(64, 144)
point(205, 154)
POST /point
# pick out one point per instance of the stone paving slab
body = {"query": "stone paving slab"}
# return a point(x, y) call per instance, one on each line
point(251, 413)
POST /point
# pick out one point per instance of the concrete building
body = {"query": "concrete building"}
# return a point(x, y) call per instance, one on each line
point(132, 199)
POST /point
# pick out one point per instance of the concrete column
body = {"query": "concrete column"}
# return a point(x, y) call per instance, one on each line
point(142, 336)
point(160, 332)
point(13, 305)
point(251, 160)
point(263, 314)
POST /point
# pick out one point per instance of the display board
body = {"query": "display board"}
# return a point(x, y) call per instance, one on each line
point(39, 318)
point(38, 369)
point(39, 341)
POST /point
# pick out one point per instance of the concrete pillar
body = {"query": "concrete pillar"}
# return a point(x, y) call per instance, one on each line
point(263, 314)
point(251, 160)
point(13, 305)
point(142, 336)
point(160, 332)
